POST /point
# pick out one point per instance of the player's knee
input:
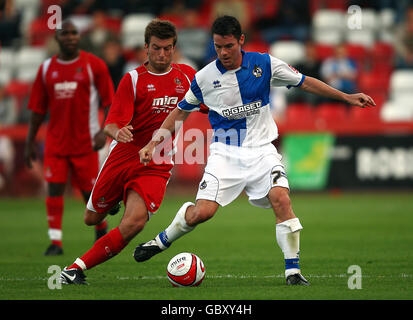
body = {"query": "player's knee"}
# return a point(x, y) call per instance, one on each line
point(90, 218)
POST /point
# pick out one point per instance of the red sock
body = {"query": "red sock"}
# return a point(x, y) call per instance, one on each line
point(54, 208)
point(105, 248)
point(102, 225)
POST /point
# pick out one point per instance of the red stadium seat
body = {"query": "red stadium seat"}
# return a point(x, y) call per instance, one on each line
point(364, 115)
point(39, 32)
point(324, 51)
point(356, 51)
point(299, 113)
point(331, 113)
point(382, 51)
point(256, 46)
point(373, 81)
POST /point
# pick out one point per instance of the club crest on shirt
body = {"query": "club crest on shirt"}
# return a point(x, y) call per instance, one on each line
point(203, 185)
point(257, 72)
point(179, 87)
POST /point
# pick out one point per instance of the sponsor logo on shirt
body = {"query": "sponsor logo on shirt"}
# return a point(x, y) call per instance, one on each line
point(164, 104)
point(65, 90)
point(242, 111)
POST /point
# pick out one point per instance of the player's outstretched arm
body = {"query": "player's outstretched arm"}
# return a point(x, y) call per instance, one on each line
point(316, 86)
point(146, 152)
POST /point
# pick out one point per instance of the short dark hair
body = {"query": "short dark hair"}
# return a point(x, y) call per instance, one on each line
point(161, 29)
point(226, 26)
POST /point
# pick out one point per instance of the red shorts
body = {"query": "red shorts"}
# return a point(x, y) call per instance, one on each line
point(84, 169)
point(122, 171)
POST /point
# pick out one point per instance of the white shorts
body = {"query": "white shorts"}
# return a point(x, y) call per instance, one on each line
point(232, 169)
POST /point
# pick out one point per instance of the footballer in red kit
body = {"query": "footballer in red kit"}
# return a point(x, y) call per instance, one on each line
point(72, 92)
point(144, 98)
point(70, 87)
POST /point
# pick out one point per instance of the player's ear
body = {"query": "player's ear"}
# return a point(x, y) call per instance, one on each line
point(241, 39)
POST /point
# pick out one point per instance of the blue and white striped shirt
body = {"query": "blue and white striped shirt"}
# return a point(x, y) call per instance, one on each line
point(238, 99)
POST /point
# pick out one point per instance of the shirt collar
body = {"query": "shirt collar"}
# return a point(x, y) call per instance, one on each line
point(244, 63)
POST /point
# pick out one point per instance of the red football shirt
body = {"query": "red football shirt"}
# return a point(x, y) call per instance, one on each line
point(144, 99)
point(72, 92)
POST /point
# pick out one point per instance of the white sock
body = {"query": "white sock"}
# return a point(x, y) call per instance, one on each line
point(176, 229)
point(80, 263)
point(288, 239)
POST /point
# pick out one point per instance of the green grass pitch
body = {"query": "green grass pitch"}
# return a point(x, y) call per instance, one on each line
point(238, 246)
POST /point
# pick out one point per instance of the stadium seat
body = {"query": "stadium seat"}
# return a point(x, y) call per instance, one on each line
point(28, 60)
point(369, 20)
point(397, 110)
point(328, 26)
point(328, 19)
point(256, 46)
point(386, 18)
point(373, 81)
point(133, 29)
point(357, 52)
point(327, 37)
point(6, 64)
point(382, 52)
point(299, 113)
point(292, 52)
point(331, 113)
point(401, 84)
point(5, 76)
point(18, 90)
point(364, 115)
point(82, 22)
point(365, 37)
point(324, 51)
point(39, 32)
point(387, 21)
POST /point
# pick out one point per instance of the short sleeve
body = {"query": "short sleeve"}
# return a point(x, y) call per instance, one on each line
point(121, 110)
point(284, 75)
point(38, 97)
point(193, 98)
point(103, 82)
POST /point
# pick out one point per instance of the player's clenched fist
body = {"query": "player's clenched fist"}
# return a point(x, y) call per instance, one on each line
point(145, 153)
point(124, 134)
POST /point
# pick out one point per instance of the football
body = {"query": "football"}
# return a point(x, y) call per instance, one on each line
point(185, 270)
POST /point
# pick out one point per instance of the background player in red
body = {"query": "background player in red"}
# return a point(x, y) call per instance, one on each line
point(70, 87)
point(144, 98)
